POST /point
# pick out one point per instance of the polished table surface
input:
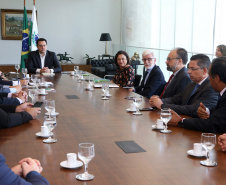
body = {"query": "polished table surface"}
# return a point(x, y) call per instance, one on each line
point(102, 122)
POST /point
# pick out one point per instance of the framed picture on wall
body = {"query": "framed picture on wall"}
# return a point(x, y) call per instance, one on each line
point(12, 23)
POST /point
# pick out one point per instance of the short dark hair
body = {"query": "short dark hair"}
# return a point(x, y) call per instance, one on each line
point(121, 53)
point(203, 60)
point(183, 54)
point(222, 49)
point(41, 39)
point(218, 67)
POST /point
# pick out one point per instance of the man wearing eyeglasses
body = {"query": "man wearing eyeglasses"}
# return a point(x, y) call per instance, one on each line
point(217, 114)
point(153, 80)
point(200, 90)
point(176, 61)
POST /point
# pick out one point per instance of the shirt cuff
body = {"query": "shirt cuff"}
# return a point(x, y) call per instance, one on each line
point(9, 95)
point(12, 90)
point(51, 70)
point(32, 173)
point(207, 110)
point(16, 83)
point(20, 100)
point(38, 70)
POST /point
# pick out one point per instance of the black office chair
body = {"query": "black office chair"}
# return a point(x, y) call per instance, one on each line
point(25, 61)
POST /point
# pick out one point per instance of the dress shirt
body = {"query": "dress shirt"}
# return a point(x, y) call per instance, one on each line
point(43, 63)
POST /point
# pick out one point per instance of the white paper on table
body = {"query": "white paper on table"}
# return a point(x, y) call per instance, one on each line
point(110, 85)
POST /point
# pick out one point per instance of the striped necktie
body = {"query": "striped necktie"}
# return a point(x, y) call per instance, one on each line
point(166, 85)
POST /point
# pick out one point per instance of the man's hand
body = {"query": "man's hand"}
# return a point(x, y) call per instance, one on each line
point(155, 101)
point(222, 142)
point(17, 87)
point(29, 165)
point(131, 89)
point(23, 96)
point(174, 120)
point(24, 82)
point(202, 113)
point(23, 107)
point(34, 111)
point(45, 70)
point(17, 170)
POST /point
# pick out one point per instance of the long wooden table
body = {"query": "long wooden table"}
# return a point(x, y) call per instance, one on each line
point(102, 122)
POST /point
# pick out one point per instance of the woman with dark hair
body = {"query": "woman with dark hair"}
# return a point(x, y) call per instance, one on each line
point(220, 51)
point(125, 73)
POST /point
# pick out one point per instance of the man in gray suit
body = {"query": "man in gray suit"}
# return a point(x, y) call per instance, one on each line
point(200, 90)
point(176, 61)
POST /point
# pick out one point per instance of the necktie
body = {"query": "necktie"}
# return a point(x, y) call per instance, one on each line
point(193, 92)
point(166, 85)
point(145, 77)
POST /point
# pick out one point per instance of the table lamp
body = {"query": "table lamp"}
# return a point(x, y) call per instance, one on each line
point(105, 37)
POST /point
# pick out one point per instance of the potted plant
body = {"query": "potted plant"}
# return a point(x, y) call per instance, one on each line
point(88, 59)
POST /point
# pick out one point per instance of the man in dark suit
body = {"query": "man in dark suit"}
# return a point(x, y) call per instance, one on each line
point(42, 60)
point(153, 80)
point(200, 90)
point(176, 61)
point(26, 172)
point(12, 115)
point(216, 121)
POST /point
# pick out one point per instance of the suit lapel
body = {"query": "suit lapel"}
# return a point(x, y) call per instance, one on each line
point(46, 59)
point(39, 59)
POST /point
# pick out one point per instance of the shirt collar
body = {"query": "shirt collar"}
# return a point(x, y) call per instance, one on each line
point(200, 83)
point(222, 92)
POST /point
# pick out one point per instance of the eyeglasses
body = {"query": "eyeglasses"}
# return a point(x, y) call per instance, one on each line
point(148, 59)
point(194, 69)
point(168, 59)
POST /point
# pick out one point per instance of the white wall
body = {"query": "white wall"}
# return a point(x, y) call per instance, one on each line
point(73, 26)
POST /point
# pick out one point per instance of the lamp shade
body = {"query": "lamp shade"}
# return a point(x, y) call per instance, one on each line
point(105, 37)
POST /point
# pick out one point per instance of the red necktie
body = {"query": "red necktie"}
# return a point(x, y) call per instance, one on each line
point(166, 85)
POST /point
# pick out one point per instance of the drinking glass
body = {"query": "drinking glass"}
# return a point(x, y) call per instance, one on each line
point(76, 68)
point(17, 67)
point(24, 71)
point(32, 93)
point(105, 88)
point(50, 106)
point(92, 82)
point(51, 124)
point(137, 102)
point(86, 153)
point(166, 117)
point(208, 141)
point(37, 82)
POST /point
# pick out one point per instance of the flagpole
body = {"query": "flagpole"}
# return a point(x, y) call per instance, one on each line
point(34, 2)
point(24, 3)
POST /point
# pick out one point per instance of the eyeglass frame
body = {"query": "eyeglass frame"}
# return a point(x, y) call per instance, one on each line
point(194, 69)
point(148, 59)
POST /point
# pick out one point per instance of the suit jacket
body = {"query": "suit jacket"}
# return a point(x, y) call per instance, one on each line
point(178, 83)
point(154, 84)
point(10, 119)
point(8, 177)
point(8, 101)
point(34, 61)
point(5, 82)
point(216, 122)
point(180, 104)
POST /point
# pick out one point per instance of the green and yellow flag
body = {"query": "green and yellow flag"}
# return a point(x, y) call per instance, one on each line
point(25, 40)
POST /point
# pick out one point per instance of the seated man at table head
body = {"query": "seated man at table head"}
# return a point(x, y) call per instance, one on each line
point(42, 60)
point(124, 76)
point(26, 172)
point(176, 61)
point(216, 121)
point(153, 80)
point(12, 115)
point(200, 90)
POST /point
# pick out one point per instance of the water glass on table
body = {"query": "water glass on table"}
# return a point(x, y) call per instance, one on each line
point(86, 153)
point(166, 117)
point(50, 123)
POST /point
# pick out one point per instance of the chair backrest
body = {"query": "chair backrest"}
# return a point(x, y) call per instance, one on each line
point(137, 80)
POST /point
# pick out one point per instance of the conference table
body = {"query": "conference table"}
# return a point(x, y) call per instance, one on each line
point(103, 122)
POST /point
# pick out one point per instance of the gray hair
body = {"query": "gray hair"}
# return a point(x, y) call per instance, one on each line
point(147, 52)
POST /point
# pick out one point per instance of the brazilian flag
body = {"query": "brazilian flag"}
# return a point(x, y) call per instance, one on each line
point(25, 40)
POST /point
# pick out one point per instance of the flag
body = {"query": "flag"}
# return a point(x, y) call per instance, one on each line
point(33, 31)
point(25, 40)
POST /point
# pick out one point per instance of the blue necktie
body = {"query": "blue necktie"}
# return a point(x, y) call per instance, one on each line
point(193, 92)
